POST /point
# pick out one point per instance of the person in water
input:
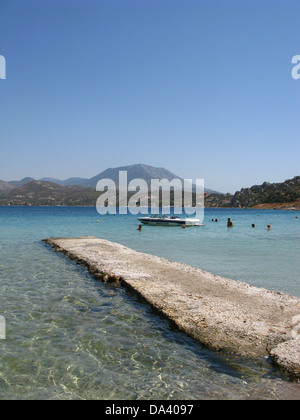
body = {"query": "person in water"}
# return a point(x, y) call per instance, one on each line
point(140, 228)
point(269, 227)
point(253, 225)
point(229, 223)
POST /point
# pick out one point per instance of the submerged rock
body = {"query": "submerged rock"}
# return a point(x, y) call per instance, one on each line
point(287, 355)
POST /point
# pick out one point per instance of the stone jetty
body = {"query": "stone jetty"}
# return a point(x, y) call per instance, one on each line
point(222, 314)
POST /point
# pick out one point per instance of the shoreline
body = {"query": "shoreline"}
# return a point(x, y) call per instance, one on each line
point(258, 207)
point(220, 313)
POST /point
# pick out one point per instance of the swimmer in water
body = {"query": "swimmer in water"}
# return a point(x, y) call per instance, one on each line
point(229, 223)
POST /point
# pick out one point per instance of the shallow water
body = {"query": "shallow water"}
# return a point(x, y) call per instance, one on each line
point(70, 337)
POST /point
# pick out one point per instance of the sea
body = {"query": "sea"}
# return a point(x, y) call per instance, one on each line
point(69, 336)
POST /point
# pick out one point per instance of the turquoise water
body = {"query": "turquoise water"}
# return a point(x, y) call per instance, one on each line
point(70, 337)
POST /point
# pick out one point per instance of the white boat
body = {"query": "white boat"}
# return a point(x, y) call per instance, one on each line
point(169, 221)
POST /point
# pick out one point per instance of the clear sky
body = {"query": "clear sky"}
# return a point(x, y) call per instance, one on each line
point(200, 87)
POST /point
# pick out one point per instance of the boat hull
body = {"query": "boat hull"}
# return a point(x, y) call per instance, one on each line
point(152, 221)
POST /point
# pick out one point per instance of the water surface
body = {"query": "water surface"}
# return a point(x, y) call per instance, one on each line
point(71, 337)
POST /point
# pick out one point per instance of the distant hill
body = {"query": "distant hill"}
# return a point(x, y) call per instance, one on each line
point(44, 193)
point(284, 195)
point(22, 182)
point(269, 194)
point(140, 171)
point(83, 182)
point(41, 193)
point(5, 186)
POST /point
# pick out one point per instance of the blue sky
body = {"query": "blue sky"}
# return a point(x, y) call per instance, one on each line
point(202, 88)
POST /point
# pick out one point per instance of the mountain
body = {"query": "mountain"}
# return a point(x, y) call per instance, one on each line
point(22, 182)
point(283, 195)
point(53, 180)
point(68, 182)
point(267, 194)
point(5, 186)
point(139, 171)
point(44, 193)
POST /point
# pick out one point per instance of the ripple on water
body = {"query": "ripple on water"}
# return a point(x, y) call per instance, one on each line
point(70, 337)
